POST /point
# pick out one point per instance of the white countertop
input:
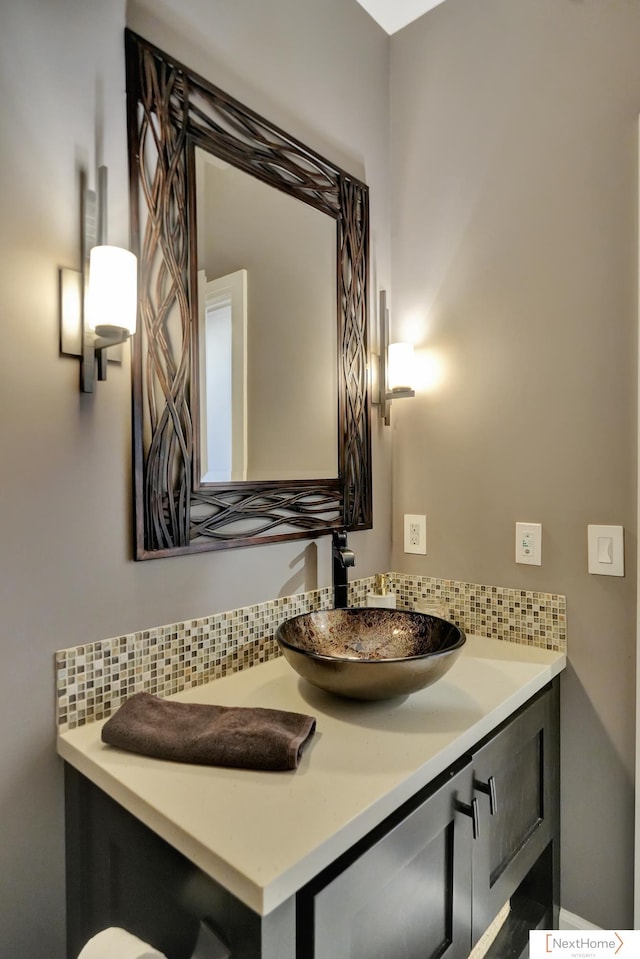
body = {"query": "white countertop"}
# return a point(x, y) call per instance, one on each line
point(263, 835)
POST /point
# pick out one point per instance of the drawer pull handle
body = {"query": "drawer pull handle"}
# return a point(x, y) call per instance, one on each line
point(490, 789)
point(470, 809)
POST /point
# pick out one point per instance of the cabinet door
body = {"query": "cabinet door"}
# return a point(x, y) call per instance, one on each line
point(407, 896)
point(519, 766)
point(120, 873)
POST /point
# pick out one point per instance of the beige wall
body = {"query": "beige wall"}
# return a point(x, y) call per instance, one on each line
point(514, 259)
point(67, 572)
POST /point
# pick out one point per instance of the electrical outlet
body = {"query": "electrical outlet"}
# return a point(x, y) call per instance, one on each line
point(415, 533)
point(529, 544)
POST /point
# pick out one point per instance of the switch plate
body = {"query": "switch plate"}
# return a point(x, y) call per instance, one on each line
point(415, 533)
point(606, 550)
point(529, 543)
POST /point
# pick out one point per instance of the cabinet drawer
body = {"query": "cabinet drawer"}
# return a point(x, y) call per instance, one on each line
point(407, 896)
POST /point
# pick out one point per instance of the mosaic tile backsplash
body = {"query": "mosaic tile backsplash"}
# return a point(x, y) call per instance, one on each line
point(93, 680)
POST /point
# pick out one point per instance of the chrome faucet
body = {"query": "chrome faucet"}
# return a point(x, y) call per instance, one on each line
point(343, 557)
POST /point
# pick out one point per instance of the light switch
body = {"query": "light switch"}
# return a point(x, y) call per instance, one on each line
point(606, 550)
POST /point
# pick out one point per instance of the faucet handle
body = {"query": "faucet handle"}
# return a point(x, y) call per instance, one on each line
point(339, 538)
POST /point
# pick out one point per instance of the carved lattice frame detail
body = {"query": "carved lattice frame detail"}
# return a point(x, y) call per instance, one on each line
point(170, 110)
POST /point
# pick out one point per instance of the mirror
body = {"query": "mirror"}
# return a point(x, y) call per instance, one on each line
point(267, 330)
point(250, 379)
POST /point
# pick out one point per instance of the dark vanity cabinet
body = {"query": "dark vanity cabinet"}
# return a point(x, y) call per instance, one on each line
point(425, 883)
point(434, 878)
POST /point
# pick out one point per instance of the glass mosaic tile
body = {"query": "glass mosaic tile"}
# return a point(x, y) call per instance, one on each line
point(94, 679)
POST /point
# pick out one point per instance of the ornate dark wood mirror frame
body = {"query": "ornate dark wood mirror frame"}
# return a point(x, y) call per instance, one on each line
point(170, 111)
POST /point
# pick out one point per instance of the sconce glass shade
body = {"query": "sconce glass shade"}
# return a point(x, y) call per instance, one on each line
point(113, 284)
point(400, 372)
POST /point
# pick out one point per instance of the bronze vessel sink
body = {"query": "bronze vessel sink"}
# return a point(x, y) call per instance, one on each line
point(370, 653)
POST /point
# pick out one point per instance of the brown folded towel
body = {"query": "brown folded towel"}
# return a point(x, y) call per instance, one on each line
point(253, 738)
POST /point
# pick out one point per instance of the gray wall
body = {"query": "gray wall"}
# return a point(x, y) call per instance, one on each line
point(67, 573)
point(514, 238)
point(514, 260)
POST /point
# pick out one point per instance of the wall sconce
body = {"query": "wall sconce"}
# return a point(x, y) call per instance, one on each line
point(98, 303)
point(393, 368)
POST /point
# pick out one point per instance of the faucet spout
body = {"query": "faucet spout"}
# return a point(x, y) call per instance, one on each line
point(343, 558)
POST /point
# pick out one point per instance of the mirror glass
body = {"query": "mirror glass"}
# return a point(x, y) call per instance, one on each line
point(251, 405)
point(267, 330)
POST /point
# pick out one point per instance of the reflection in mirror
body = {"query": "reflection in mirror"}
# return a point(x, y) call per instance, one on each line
point(250, 323)
point(268, 330)
point(222, 311)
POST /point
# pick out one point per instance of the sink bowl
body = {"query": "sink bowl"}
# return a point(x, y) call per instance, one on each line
point(365, 653)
